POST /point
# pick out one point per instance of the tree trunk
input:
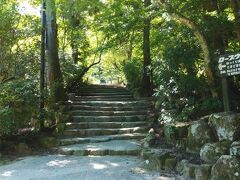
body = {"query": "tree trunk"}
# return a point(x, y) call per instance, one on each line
point(202, 41)
point(146, 80)
point(54, 72)
point(236, 10)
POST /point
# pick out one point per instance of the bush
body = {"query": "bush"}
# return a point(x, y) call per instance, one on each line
point(133, 71)
point(18, 105)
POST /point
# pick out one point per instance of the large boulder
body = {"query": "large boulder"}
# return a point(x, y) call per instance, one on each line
point(199, 133)
point(211, 152)
point(226, 168)
point(225, 124)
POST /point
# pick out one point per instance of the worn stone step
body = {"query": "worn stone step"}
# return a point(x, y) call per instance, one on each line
point(116, 147)
point(103, 94)
point(104, 99)
point(106, 113)
point(100, 90)
point(99, 108)
point(112, 103)
point(88, 125)
point(98, 139)
point(109, 118)
point(101, 131)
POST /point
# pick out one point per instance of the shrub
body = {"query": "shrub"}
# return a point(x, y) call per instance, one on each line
point(18, 105)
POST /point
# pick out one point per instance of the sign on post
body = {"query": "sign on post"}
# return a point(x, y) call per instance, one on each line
point(229, 65)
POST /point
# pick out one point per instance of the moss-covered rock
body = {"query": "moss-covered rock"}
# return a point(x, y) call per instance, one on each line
point(225, 124)
point(199, 133)
point(196, 171)
point(211, 152)
point(48, 142)
point(175, 131)
point(155, 160)
point(203, 172)
point(226, 168)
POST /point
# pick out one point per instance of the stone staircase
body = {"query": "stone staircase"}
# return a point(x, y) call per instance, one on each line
point(105, 120)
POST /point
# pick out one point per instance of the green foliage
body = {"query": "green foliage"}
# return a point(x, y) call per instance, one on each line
point(18, 105)
point(132, 70)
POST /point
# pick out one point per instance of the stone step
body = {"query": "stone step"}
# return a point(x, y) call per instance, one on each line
point(88, 125)
point(115, 147)
point(103, 94)
point(106, 113)
point(101, 131)
point(97, 86)
point(103, 99)
point(99, 108)
point(112, 103)
point(108, 118)
point(98, 139)
point(103, 90)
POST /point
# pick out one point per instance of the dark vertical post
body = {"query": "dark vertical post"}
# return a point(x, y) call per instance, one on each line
point(225, 91)
point(42, 66)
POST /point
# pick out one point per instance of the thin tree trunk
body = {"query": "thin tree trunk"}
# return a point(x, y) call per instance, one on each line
point(146, 80)
point(54, 71)
point(201, 39)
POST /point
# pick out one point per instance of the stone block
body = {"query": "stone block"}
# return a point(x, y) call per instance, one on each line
point(211, 152)
point(225, 124)
point(226, 168)
point(199, 133)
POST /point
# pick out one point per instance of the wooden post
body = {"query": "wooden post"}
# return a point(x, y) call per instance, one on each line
point(225, 91)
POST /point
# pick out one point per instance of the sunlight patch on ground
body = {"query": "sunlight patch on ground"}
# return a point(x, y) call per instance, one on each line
point(8, 173)
point(59, 163)
point(98, 166)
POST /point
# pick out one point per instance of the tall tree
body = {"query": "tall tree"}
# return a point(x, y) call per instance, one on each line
point(54, 71)
point(201, 37)
point(146, 80)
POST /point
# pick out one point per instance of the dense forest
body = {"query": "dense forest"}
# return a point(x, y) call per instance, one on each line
point(165, 49)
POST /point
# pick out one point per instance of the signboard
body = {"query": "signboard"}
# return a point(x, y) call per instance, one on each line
point(229, 65)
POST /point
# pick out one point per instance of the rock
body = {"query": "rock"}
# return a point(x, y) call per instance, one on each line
point(189, 170)
point(155, 160)
point(203, 172)
point(48, 142)
point(226, 168)
point(235, 149)
point(170, 164)
point(180, 165)
point(225, 124)
point(211, 152)
point(199, 133)
point(196, 171)
point(175, 131)
point(23, 149)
